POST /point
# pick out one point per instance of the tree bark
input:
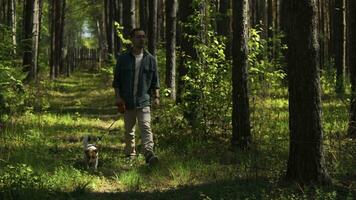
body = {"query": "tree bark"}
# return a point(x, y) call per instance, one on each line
point(61, 36)
point(160, 20)
point(241, 132)
point(223, 25)
point(51, 21)
point(32, 75)
point(152, 29)
point(27, 40)
point(13, 23)
point(57, 27)
point(306, 162)
point(109, 24)
point(117, 18)
point(352, 60)
point(129, 16)
point(144, 15)
point(185, 10)
point(340, 44)
point(171, 20)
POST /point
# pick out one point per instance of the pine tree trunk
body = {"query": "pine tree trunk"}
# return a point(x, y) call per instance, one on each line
point(241, 132)
point(58, 28)
point(152, 28)
point(109, 24)
point(144, 15)
point(32, 75)
point(306, 162)
point(12, 16)
point(160, 20)
point(2, 11)
point(171, 21)
point(352, 48)
point(103, 25)
point(118, 18)
point(223, 24)
point(129, 16)
point(340, 44)
point(57, 48)
point(61, 36)
point(27, 40)
point(186, 47)
point(51, 16)
point(100, 41)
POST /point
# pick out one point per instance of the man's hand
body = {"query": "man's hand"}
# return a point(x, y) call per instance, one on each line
point(155, 96)
point(120, 103)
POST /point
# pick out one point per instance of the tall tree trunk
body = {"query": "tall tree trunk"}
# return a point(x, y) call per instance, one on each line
point(223, 24)
point(171, 21)
point(12, 17)
point(61, 36)
point(58, 28)
point(109, 24)
point(2, 11)
point(101, 40)
point(352, 48)
point(340, 44)
point(118, 18)
point(144, 15)
point(27, 40)
point(103, 26)
point(57, 49)
point(31, 33)
point(160, 20)
point(51, 20)
point(32, 75)
point(129, 16)
point(185, 10)
point(306, 162)
point(241, 132)
point(152, 28)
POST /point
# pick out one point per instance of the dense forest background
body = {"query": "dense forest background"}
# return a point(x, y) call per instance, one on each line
point(258, 99)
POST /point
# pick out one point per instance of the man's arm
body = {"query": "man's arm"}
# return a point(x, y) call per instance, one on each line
point(116, 84)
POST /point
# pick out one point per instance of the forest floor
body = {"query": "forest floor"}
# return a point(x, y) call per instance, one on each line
point(41, 156)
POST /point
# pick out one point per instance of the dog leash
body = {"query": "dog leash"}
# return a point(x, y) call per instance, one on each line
point(112, 124)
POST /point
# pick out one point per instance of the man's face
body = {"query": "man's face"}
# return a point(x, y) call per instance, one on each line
point(138, 40)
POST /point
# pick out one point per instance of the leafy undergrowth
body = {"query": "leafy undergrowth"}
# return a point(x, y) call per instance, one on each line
point(41, 152)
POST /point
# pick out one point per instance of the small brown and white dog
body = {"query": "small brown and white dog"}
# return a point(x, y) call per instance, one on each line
point(91, 154)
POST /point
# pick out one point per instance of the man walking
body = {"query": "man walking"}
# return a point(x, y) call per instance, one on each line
point(136, 85)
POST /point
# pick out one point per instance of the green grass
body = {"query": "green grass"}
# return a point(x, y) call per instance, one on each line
point(41, 151)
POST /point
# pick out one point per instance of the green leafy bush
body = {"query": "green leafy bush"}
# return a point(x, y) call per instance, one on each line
point(207, 92)
point(11, 88)
point(266, 61)
point(19, 177)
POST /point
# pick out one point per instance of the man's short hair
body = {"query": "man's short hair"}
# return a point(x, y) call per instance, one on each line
point(132, 33)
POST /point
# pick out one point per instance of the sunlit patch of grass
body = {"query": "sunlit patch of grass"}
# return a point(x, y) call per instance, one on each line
point(67, 178)
point(131, 180)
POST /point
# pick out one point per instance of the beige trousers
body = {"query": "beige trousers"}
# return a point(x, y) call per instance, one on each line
point(143, 117)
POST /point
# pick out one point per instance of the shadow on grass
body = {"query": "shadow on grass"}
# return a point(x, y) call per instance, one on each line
point(226, 189)
point(229, 189)
point(90, 112)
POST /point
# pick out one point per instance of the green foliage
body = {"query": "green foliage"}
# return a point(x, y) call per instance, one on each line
point(266, 60)
point(207, 81)
point(20, 176)
point(107, 71)
point(11, 88)
point(120, 34)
